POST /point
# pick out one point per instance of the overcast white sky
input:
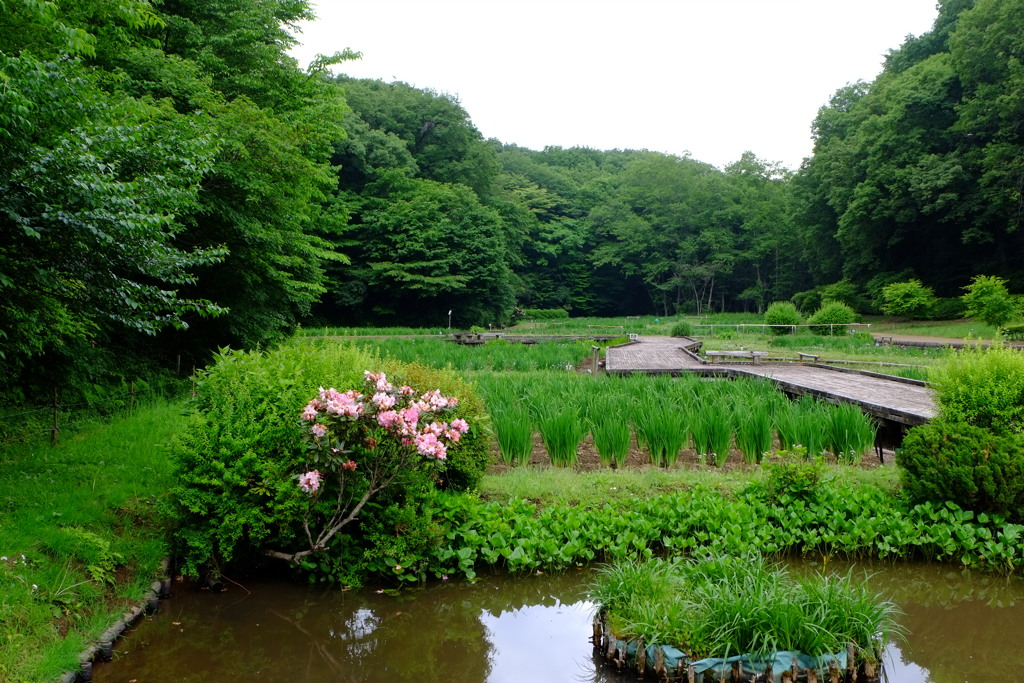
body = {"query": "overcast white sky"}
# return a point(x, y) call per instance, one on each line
point(710, 77)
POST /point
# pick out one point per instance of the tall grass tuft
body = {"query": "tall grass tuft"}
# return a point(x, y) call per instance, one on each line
point(849, 433)
point(562, 430)
point(754, 430)
point(786, 421)
point(720, 431)
point(661, 427)
point(809, 425)
point(721, 606)
point(514, 430)
point(610, 429)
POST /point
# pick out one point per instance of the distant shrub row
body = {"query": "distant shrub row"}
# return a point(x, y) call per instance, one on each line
point(545, 313)
point(831, 318)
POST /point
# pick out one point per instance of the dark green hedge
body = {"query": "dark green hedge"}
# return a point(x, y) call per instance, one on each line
point(970, 466)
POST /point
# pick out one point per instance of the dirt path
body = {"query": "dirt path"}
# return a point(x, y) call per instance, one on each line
point(924, 340)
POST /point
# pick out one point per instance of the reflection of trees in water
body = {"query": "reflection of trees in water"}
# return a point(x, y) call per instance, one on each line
point(963, 625)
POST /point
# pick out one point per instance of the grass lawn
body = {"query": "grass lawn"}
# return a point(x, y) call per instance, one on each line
point(80, 538)
point(560, 486)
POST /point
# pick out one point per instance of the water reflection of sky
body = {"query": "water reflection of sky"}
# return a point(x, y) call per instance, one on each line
point(898, 669)
point(530, 644)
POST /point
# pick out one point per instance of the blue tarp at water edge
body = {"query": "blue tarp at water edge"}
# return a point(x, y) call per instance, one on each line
point(675, 660)
point(779, 661)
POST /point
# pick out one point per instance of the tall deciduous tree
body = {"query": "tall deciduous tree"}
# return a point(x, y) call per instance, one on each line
point(421, 248)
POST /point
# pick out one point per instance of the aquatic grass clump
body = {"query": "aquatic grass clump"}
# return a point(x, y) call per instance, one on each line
point(754, 435)
point(808, 425)
point(721, 606)
point(848, 433)
point(514, 430)
point(720, 432)
point(661, 427)
point(562, 430)
point(611, 433)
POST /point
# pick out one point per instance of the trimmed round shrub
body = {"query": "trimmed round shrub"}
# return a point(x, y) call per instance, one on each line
point(909, 299)
point(683, 328)
point(832, 318)
point(982, 387)
point(782, 313)
point(967, 465)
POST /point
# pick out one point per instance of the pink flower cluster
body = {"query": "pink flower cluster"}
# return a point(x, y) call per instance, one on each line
point(310, 481)
point(333, 402)
point(403, 413)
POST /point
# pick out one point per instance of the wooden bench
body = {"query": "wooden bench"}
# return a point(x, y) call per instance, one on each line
point(805, 357)
point(717, 356)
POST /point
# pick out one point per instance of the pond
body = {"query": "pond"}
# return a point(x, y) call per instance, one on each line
point(961, 626)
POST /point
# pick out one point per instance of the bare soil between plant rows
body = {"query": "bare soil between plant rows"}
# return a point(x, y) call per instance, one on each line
point(588, 459)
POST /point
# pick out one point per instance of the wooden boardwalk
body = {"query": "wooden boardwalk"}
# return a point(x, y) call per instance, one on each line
point(893, 399)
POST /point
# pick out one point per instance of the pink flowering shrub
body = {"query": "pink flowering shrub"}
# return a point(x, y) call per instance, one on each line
point(344, 422)
point(376, 436)
point(262, 470)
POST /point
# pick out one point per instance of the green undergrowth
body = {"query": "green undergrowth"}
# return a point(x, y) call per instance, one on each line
point(837, 516)
point(80, 538)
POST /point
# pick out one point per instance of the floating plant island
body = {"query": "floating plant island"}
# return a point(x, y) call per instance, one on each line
point(738, 619)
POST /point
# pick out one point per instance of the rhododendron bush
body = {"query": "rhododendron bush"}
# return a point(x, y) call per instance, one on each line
point(338, 481)
point(388, 430)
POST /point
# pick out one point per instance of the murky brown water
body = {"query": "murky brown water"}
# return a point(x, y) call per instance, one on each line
point(962, 627)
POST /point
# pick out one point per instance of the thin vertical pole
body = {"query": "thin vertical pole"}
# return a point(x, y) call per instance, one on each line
point(55, 429)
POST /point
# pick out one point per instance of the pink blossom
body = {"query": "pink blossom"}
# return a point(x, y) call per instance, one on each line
point(388, 419)
point(309, 412)
point(378, 378)
point(453, 435)
point(318, 430)
point(461, 425)
point(406, 390)
point(435, 428)
point(346, 405)
point(435, 399)
point(310, 481)
point(350, 465)
point(429, 445)
point(411, 416)
point(383, 400)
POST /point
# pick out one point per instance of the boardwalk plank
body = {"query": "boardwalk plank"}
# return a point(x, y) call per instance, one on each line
point(894, 400)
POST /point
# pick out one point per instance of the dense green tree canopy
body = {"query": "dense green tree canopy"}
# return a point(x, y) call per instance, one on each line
point(172, 181)
point(164, 167)
point(921, 169)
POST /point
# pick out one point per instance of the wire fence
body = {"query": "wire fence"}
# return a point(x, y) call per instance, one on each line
point(57, 418)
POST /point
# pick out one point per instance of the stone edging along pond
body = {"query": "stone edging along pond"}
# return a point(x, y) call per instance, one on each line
point(103, 648)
